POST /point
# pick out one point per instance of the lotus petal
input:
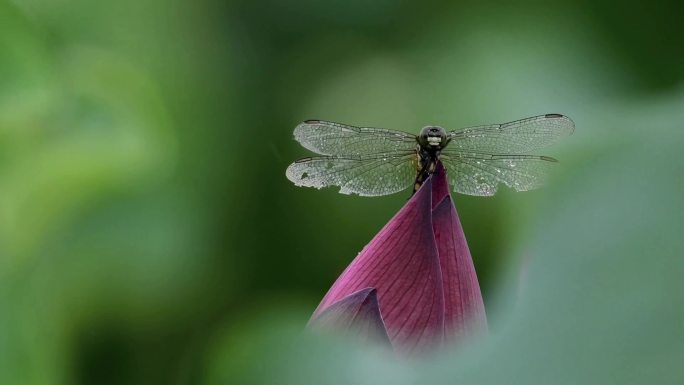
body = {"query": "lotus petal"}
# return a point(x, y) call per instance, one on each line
point(358, 314)
point(402, 264)
point(464, 313)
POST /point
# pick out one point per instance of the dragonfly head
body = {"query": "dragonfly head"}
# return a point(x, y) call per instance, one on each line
point(432, 137)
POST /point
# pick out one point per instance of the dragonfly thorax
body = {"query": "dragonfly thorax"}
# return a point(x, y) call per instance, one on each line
point(432, 137)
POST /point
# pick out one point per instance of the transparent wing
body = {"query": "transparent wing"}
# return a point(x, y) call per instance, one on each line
point(478, 174)
point(367, 175)
point(328, 138)
point(515, 137)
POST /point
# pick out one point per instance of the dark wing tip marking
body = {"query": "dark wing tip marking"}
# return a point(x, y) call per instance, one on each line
point(548, 159)
point(312, 121)
point(561, 116)
point(303, 160)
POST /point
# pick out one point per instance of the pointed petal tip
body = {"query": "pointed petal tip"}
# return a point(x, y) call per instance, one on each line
point(440, 188)
point(439, 168)
point(357, 314)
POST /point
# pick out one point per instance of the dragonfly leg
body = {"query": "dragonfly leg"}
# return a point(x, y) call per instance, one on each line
point(428, 166)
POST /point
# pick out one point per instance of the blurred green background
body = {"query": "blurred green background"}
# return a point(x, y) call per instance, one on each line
point(148, 234)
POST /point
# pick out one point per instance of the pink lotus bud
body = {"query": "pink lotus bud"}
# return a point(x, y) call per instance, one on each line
point(414, 283)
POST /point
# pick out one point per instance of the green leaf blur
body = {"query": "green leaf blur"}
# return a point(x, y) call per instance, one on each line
point(148, 234)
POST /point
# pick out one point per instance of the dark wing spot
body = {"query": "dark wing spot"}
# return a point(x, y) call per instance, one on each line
point(312, 121)
point(548, 159)
point(553, 116)
point(305, 175)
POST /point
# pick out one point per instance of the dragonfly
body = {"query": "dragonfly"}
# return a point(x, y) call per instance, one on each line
point(372, 161)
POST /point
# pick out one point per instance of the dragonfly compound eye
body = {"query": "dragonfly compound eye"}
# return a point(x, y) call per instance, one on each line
point(432, 136)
